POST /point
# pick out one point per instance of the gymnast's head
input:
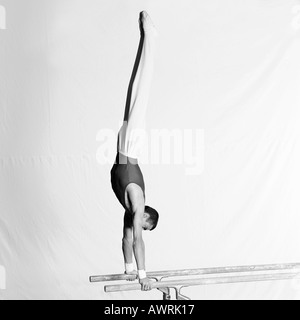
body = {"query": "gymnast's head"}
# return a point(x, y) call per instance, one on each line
point(150, 220)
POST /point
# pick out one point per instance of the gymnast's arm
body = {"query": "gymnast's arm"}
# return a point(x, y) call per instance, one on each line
point(138, 210)
point(127, 245)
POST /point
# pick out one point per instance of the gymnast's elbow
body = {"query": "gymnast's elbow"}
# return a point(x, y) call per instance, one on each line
point(138, 242)
point(127, 241)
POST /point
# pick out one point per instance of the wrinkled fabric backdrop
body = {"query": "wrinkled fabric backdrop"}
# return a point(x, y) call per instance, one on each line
point(229, 69)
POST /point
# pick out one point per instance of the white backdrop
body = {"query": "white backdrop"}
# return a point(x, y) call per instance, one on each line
point(228, 68)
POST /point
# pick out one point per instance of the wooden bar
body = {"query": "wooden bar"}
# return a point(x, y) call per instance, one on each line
point(206, 281)
point(203, 271)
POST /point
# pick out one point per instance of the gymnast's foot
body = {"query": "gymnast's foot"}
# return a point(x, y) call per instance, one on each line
point(146, 24)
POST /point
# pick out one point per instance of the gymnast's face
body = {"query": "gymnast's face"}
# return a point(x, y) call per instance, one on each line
point(146, 224)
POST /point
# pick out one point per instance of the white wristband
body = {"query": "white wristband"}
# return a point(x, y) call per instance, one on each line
point(142, 274)
point(129, 267)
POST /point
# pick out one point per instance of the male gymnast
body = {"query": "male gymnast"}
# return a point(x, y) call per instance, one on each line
point(126, 176)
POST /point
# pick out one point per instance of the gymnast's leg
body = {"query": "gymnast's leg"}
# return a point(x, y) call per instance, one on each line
point(139, 90)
